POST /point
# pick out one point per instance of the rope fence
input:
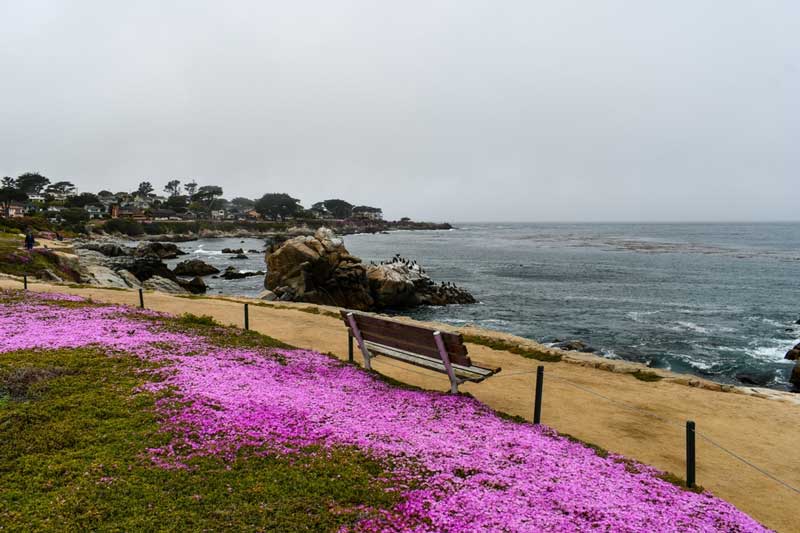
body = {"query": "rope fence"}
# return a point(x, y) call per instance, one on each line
point(629, 406)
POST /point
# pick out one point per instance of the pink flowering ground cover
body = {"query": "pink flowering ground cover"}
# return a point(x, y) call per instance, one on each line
point(457, 465)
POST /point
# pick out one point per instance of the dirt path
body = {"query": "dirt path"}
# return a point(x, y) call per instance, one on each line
point(764, 431)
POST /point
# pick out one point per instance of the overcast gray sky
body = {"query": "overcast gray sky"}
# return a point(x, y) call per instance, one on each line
point(440, 110)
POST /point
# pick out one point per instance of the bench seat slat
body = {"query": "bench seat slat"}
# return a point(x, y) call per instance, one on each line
point(469, 373)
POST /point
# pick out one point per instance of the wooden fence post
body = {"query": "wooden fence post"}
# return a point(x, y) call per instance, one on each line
point(141, 298)
point(537, 403)
point(349, 346)
point(25, 281)
point(690, 454)
point(246, 316)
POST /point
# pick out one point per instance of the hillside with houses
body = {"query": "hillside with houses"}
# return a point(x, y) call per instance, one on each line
point(60, 202)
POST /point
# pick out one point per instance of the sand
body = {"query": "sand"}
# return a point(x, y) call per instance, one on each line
point(763, 430)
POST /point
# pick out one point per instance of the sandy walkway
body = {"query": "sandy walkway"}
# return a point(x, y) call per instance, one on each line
point(764, 431)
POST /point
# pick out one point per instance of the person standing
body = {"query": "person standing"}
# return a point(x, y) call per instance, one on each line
point(29, 242)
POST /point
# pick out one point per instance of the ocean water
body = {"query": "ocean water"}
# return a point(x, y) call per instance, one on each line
point(716, 300)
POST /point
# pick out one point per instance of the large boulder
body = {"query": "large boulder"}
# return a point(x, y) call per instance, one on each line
point(195, 286)
point(145, 268)
point(108, 249)
point(103, 276)
point(130, 279)
point(394, 285)
point(794, 353)
point(163, 250)
point(318, 269)
point(795, 377)
point(194, 267)
point(157, 283)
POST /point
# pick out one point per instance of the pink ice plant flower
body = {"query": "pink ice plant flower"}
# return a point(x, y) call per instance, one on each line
point(459, 466)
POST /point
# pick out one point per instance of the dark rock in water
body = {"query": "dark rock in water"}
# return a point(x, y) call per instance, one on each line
point(194, 267)
point(195, 286)
point(319, 269)
point(575, 346)
point(794, 353)
point(109, 249)
point(234, 273)
point(253, 251)
point(145, 268)
point(239, 256)
point(757, 379)
point(163, 250)
point(794, 379)
point(232, 251)
point(798, 321)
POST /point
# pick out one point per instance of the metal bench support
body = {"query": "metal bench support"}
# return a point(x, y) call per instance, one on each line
point(437, 336)
point(354, 328)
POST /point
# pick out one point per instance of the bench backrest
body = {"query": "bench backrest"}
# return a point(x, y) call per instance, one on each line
point(408, 337)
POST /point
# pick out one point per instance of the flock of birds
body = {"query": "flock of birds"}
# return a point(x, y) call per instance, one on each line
point(413, 265)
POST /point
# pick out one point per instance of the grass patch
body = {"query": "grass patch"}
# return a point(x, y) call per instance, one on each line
point(73, 458)
point(503, 345)
point(16, 261)
point(644, 375)
point(190, 319)
point(680, 482)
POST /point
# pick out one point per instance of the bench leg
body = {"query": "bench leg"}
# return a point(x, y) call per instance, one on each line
point(446, 360)
point(354, 328)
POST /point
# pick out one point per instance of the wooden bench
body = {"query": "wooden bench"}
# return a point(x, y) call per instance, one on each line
point(427, 348)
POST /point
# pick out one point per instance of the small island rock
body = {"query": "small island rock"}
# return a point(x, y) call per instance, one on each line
point(194, 267)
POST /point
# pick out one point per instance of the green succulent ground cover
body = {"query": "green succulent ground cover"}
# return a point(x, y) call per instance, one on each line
point(73, 438)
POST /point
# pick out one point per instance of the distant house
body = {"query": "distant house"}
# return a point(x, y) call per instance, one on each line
point(135, 214)
point(253, 215)
point(16, 210)
point(218, 214)
point(113, 210)
point(95, 211)
point(321, 213)
point(38, 198)
point(366, 212)
point(164, 214)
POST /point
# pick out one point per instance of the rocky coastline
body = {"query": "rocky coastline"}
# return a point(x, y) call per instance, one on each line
point(344, 227)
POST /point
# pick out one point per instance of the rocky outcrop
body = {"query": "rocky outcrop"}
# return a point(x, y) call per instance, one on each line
point(319, 269)
point(109, 249)
point(574, 346)
point(104, 277)
point(128, 270)
point(266, 295)
point(130, 279)
point(794, 379)
point(157, 283)
point(794, 353)
point(194, 267)
point(400, 283)
point(195, 286)
point(162, 250)
point(234, 273)
point(232, 251)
